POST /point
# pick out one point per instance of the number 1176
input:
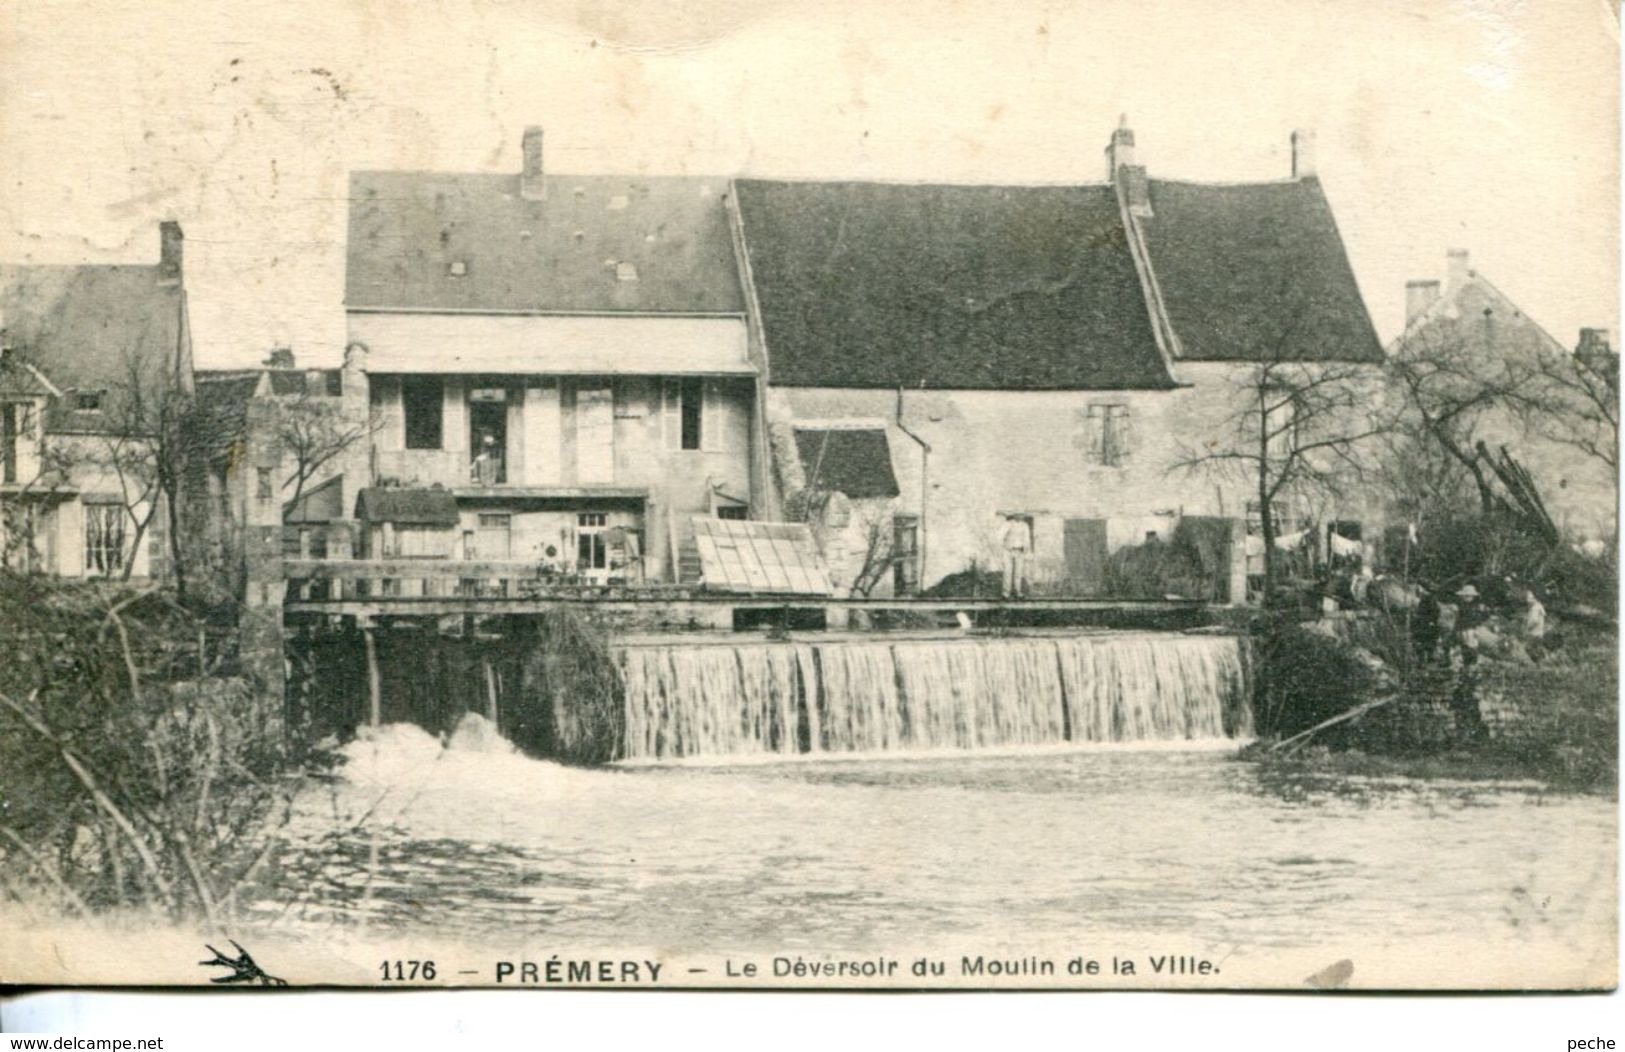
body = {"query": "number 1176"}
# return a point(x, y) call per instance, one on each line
point(406, 971)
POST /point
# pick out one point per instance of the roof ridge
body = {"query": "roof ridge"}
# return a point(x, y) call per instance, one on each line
point(1036, 185)
point(1226, 184)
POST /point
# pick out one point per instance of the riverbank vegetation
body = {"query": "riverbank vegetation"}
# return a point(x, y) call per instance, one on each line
point(142, 766)
point(1566, 738)
point(1354, 694)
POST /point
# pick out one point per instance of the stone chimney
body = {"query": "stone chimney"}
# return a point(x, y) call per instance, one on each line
point(1120, 151)
point(1594, 346)
point(1456, 270)
point(1303, 153)
point(171, 242)
point(1130, 179)
point(531, 186)
point(1419, 296)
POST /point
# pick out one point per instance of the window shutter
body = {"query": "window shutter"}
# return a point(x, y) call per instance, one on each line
point(711, 418)
point(1097, 435)
point(1121, 434)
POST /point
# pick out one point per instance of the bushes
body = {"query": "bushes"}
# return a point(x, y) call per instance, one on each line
point(138, 769)
point(1304, 676)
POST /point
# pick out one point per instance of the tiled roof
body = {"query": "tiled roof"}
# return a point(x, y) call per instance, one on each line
point(596, 244)
point(82, 326)
point(882, 285)
point(853, 461)
point(1255, 272)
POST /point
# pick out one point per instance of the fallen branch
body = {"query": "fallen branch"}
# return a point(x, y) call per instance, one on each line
point(1358, 710)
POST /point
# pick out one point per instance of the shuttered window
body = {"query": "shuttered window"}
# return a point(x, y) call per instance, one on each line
point(1109, 437)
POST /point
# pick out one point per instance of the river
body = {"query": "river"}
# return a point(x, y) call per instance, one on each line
point(1142, 846)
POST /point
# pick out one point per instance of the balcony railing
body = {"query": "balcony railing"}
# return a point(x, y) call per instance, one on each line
point(336, 580)
point(447, 468)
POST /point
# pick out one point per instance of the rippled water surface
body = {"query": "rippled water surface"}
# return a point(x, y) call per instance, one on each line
point(862, 854)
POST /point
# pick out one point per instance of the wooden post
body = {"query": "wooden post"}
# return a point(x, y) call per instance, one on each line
point(375, 693)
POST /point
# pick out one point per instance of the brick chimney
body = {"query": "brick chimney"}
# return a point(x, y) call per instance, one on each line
point(1456, 270)
point(1419, 296)
point(171, 242)
point(1303, 153)
point(1120, 151)
point(531, 185)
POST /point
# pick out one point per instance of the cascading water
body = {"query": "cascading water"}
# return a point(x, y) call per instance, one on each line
point(876, 695)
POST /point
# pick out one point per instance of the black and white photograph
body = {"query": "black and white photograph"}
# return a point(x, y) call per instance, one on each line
point(784, 496)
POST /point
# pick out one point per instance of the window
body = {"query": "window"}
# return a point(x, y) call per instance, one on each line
point(733, 512)
point(18, 524)
point(104, 539)
point(591, 550)
point(905, 554)
point(88, 401)
point(425, 406)
point(262, 483)
point(1108, 435)
point(693, 400)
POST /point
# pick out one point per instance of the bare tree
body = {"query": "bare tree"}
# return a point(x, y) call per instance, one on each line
point(141, 443)
point(1453, 390)
point(1300, 428)
point(876, 535)
point(313, 431)
point(1581, 399)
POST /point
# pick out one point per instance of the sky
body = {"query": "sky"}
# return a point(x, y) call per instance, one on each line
point(1490, 125)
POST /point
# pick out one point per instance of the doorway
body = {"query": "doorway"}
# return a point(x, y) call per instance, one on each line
point(488, 435)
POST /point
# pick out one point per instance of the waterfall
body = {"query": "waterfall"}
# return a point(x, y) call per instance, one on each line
point(875, 695)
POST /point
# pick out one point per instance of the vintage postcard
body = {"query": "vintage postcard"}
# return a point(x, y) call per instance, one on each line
point(943, 495)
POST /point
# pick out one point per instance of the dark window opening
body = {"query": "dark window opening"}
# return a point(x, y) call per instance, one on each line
point(425, 408)
point(13, 421)
point(734, 512)
point(693, 397)
point(262, 483)
point(89, 401)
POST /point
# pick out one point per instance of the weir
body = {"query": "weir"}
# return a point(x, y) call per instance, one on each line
point(871, 694)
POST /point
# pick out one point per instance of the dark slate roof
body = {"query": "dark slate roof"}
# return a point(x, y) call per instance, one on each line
point(1256, 271)
point(323, 503)
point(82, 325)
point(19, 377)
point(314, 382)
point(219, 416)
point(412, 507)
point(880, 285)
point(853, 461)
point(560, 254)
